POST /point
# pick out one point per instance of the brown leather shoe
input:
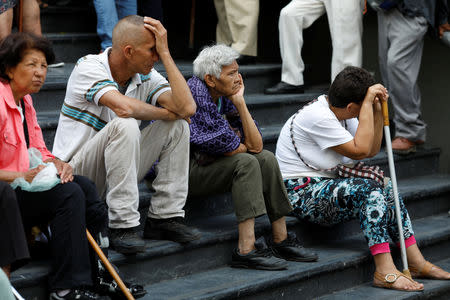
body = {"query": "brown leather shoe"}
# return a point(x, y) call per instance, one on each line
point(403, 146)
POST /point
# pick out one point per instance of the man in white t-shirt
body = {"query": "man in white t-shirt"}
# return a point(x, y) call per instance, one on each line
point(99, 135)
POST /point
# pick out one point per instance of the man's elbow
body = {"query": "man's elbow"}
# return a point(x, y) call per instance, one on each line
point(190, 110)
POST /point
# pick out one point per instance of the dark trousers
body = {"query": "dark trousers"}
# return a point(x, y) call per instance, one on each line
point(69, 208)
point(13, 243)
point(254, 180)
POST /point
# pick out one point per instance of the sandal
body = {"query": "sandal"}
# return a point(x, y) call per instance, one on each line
point(424, 271)
point(388, 280)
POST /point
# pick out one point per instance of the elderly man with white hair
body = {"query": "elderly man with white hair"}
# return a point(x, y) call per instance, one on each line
point(227, 155)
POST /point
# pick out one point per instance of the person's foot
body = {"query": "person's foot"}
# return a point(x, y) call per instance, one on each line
point(261, 258)
point(429, 271)
point(78, 294)
point(397, 281)
point(173, 229)
point(126, 240)
point(285, 88)
point(290, 249)
point(404, 146)
point(104, 284)
point(246, 60)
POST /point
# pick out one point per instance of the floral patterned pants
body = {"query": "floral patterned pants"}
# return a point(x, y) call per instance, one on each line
point(329, 201)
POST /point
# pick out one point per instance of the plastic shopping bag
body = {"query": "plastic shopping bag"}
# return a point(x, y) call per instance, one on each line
point(45, 180)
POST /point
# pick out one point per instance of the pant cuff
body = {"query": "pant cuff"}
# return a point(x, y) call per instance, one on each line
point(380, 248)
point(409, 242)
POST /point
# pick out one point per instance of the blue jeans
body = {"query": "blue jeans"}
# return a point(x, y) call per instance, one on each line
point(109, 12)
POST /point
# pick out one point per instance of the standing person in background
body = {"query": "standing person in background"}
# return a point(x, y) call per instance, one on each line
point(238, 27)
point(109, 12)
point(31, 17)
point(401, 32)
point(345, 21)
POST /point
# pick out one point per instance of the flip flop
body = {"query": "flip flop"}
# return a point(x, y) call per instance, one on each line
point(387, 281)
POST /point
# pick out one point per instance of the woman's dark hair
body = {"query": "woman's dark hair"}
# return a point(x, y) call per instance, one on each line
point(14, 46)
point(350, 85)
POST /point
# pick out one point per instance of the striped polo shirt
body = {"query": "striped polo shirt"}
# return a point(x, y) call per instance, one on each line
point(82, 116)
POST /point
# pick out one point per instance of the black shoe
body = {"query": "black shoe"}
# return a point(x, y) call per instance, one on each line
point(290, 249)
point(285, 88)
point(104, 284)
point(246, 60)
point(262, 258)
point(78, 294)
point(126, 240)
point(172, 229)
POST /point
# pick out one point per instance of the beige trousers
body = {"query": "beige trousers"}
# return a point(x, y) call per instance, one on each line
point(345, 20)
point(120, 155)
point(238, 24)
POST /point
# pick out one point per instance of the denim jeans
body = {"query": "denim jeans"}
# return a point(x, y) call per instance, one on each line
point(109, 12)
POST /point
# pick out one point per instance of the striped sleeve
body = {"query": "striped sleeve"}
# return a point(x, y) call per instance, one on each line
point(155, 87)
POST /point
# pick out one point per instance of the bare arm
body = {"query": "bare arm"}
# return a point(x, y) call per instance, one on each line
point(241, 149)
point(128, 107)
point(179, 100)
point(364, 143)
point(378, 128)
point(252, 137)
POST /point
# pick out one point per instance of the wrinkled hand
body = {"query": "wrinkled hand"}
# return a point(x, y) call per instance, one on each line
point(31, 173)
point(160, 33)
point(65, 171)
point(375, 94)
point(443, 28)
point(239, 95)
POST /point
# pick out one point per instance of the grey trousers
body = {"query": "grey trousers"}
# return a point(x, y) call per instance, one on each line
point(120, 155)
point(254, 180)
point(400, 45)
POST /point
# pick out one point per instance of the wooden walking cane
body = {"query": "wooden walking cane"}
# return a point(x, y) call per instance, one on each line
point(109, 267)
point(387, 135)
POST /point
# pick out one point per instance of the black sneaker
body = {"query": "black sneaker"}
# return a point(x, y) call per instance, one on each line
point(104, 284)
point(262, 258)
point(126, 240)
point(172, 229)
point(290, 249)
point(78, 294)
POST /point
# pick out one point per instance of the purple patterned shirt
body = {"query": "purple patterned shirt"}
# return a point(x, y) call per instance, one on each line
point(212, 125)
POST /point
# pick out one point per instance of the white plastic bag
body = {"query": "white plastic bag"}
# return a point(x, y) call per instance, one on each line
point(45, 180)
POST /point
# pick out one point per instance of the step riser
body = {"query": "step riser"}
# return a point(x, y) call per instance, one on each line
point(54, 23)
point(49, 100)
point(275, 114)
point(71, 49)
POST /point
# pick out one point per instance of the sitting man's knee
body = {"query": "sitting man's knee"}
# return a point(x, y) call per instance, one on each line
point(127, 126)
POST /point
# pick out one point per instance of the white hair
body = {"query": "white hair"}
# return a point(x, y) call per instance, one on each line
point(211, 60)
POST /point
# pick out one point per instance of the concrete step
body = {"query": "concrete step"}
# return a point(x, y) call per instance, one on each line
point(166, 265)
point(434, 289)
point(58, 19)
point(341, 265)
point(70, 46)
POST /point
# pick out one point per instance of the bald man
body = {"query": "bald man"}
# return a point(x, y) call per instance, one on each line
point(100, 132)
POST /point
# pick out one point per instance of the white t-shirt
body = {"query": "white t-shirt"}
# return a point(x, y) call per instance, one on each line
point(82, 116)
point(316, 129)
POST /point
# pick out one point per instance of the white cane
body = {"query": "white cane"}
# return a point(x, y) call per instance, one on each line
point(387, 135)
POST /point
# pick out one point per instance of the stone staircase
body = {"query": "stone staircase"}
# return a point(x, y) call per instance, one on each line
point(199, 270)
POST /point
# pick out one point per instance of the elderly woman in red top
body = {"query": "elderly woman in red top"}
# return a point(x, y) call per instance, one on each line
point(69, 206)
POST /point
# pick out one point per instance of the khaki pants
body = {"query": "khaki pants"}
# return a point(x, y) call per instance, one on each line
point(119, 156)
point(345, 21)
point(254, 180)
point(238, 24)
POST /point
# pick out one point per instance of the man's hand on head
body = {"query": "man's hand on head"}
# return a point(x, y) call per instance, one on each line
point(375, 93)
point(160, 33)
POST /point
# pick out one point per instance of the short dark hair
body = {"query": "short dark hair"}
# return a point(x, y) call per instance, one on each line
point(350, 85)
point(14, 46)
